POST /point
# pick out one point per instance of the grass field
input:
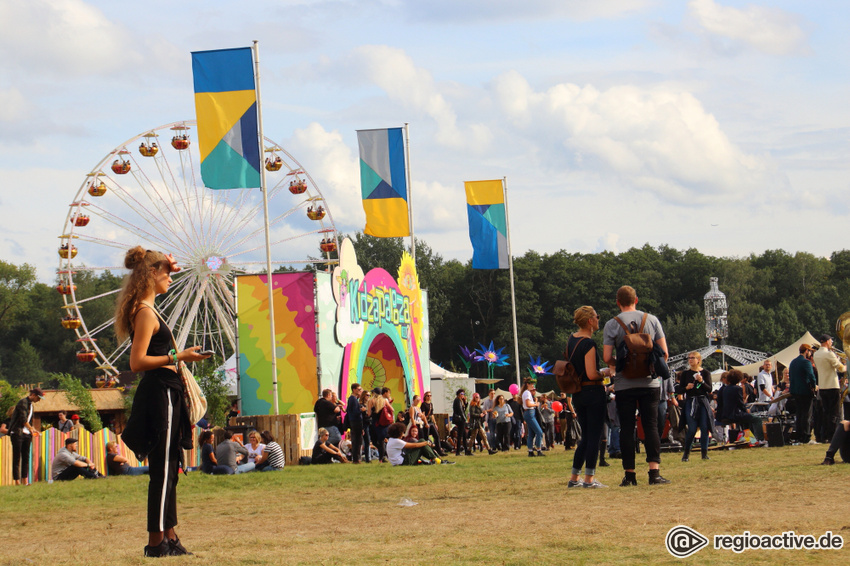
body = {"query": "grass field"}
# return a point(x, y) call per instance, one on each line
point(486, 510)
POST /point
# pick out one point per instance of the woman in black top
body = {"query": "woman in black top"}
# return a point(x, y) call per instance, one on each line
point(430, 429)
point(695, 385)
point(158, 428)
point(591, 402)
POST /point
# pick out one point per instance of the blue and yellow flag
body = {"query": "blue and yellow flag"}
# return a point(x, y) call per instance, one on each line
point(226, 108)
point(383, 183)
point(488, 230)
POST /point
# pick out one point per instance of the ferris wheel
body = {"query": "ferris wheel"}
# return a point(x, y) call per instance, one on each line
point(148, 191)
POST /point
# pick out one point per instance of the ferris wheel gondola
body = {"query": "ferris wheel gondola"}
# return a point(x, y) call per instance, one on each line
point(155, 198)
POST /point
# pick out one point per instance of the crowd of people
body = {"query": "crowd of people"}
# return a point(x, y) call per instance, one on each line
point(623, 397)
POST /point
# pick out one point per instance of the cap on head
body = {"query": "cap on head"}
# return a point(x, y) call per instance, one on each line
point(804, 348)
point(75, 417)
point(70, 441)
point(37, 391)
point(824, 338)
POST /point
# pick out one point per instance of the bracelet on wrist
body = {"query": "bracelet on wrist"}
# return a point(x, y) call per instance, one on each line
point(172, 356)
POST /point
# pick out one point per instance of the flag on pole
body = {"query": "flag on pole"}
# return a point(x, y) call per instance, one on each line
point(226, 108)
point(488, 232)
point(383, 183)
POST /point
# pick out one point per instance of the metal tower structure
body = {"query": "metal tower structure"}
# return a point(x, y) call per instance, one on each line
point(716, 331)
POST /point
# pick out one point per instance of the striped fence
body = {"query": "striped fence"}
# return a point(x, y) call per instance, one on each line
point(91, 445)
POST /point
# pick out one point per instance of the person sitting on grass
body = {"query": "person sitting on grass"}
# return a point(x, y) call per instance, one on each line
point(272, 457)
point(209, 463)
point(227, 453)
point(324, 452)
point(118, 465)
point(450, 443)
point(734, 410)
point(401, 453)
point(68, 465)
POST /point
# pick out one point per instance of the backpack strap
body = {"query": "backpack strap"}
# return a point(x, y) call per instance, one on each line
point(570, 356)
point(621, 323)
point(626, 329)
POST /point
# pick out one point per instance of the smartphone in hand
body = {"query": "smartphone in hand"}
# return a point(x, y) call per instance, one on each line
point(206, 352)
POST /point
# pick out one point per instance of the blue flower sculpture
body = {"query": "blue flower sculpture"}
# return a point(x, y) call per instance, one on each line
point(540, 367)
point(491, 355)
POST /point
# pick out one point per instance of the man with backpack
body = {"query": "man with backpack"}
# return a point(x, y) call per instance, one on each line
point(628, 343)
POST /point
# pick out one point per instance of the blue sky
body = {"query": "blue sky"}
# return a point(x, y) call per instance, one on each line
point(615, 122)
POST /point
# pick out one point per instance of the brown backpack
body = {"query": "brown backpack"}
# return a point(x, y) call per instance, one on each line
point(637, 349)
point(569, 381)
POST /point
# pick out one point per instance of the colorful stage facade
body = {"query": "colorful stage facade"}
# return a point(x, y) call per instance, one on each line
point(332, 329)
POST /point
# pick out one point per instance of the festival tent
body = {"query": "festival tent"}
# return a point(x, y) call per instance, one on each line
point(783, 357)
point(228, 373)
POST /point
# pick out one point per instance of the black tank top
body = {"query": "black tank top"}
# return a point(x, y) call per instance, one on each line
point(162, 341)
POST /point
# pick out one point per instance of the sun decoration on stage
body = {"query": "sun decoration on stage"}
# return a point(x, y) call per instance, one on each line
point(408, 284)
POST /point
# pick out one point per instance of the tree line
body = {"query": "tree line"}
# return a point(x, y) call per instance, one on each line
point(773, 298)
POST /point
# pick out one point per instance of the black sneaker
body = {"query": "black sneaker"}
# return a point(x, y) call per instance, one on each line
point(539, 453)
point(531, 454)
point(178, 549)
point(162, 549)
point(628, 480)
point(827, 461)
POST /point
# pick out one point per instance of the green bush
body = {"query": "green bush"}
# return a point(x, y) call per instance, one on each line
point(78, 394)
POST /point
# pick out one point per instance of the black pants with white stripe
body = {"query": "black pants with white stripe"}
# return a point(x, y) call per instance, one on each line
point(164, 461)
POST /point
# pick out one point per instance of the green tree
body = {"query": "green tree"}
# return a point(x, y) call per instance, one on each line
point(15, 284)
point(27, 366)
point(80, 395)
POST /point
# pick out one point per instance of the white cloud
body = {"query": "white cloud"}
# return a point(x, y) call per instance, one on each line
point(476, 11)
point(658, 139)
point(332, 164)
point(71, 38)
point(769, 30)
point(413, 88)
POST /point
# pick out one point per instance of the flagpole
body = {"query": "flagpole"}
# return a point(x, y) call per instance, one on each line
point(511, 274)
point(256, 50)
point(409, 191)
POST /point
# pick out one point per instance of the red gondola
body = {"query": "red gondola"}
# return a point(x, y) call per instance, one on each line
point(274, 164)
point(180, 142)
point(119, 167)
point(99, 189)
point(148, 150)
point(65, 252)
point(328, 245)
point(297, 187)
point(80, 220)
point(71, 322)
point(65, 289)
point(316, 214)
point(86, 355)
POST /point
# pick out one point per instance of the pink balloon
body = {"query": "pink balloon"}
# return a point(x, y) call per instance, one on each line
point(557, 406)
point(514, 388)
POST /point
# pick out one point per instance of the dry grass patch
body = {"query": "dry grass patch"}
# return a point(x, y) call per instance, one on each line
point(501, 509)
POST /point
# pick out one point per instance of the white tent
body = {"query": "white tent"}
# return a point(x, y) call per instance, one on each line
point(229, 374)
point(441, 373)
point(784, 357)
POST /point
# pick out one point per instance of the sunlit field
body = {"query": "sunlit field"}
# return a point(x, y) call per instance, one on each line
point(485, 510)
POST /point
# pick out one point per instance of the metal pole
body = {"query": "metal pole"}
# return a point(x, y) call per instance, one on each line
point(511, 272)
point(409, 191)
point(256, 50)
